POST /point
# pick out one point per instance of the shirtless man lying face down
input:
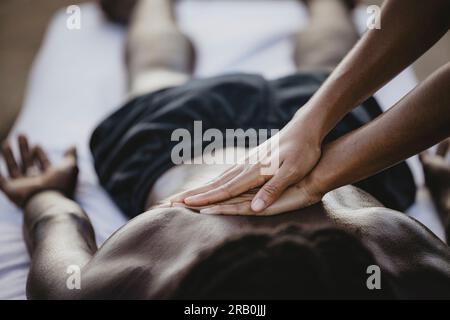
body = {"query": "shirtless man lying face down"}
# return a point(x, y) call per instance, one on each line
point(323, 251)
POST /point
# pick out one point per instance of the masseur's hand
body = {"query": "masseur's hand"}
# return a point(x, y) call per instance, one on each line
point(32, 172)
point(297, 196)
point(281, 161)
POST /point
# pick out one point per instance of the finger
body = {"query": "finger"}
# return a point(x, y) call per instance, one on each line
point(442, 148)
point(273, 189)
point(162, 205)
point(296, 197)
point(71, 152)
point(239, 184)
point(230, 209)
point(215, 183)
point(11, 163)
point(182, 205)
point(71, 155)
point(25, 154)
point(42, 158)
point(242, 198)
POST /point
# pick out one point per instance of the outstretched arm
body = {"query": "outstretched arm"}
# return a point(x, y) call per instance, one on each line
point(408, 29)
point(58, 234)
point(61, 242)
point(416, 123)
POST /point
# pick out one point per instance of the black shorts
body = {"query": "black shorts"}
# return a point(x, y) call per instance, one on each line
point(132, 148)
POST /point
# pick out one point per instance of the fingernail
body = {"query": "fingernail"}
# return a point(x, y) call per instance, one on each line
point(258, 205)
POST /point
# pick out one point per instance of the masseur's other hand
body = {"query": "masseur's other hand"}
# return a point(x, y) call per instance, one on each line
point(295, 153)
point(32, 172)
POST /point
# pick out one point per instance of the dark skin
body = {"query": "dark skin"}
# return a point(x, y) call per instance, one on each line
point(437, 178)
point(144, 260)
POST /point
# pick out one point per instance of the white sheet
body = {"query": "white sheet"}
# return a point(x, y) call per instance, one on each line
point(78, 78)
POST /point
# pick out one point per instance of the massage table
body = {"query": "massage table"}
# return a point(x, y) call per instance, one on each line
point(79, 77)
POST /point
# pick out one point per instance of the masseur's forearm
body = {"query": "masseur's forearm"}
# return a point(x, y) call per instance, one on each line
point(58, 235)
point(408, 29)
point(417, 122)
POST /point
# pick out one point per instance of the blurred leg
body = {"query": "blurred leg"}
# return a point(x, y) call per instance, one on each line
point(328, 37)
point(159, 55)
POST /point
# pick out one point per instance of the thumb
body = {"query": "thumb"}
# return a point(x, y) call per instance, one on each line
point(270, 191)
point(71, 154)
point(294, 198)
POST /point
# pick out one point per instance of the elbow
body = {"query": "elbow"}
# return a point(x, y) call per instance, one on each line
point(36, 289)
point(43, 286)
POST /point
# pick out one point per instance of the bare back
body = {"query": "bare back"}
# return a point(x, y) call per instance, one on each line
point(163, 243)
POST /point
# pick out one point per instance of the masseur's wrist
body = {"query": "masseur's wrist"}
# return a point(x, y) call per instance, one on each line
point(321, 115)
point(334, 99)
point(330, 173)
point(308, 120)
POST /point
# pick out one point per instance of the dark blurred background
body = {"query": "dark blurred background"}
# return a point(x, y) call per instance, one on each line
point(22, 26)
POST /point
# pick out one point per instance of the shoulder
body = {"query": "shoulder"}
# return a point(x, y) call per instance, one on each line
point(418, 263)
point(129, 263)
